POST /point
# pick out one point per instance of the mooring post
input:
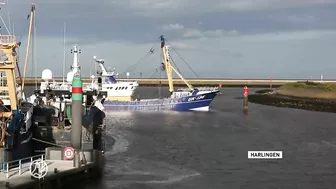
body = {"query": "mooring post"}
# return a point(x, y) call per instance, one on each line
point(246, 90)
point(76, 111)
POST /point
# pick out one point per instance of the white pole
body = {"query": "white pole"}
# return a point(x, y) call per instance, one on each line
point(34, 48)
point(64, 30)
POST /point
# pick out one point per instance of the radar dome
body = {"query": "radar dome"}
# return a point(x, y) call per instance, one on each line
point(70, 76)
point(46, 74)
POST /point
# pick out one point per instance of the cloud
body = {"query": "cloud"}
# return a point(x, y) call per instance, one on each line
point(166, 8)
point(172, 27)
point(284, 54)
point(218, 38)
point(183, 7)
point(179, 45)
point(191, 33)
point(197, 33)
point(302, 18)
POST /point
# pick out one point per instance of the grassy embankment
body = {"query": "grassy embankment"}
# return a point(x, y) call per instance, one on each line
point(300, 95)
point(309, 90)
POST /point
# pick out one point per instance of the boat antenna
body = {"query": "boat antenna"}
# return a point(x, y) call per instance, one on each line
point(9, 20)
point(2, 20)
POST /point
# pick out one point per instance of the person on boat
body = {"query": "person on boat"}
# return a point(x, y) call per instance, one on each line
point(163, 67)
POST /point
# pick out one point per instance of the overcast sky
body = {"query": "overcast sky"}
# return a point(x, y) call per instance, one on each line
point(217, 38)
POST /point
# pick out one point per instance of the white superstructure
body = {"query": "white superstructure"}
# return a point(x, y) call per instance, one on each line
point(49, 84)
point(116, 90)
point(104, 81)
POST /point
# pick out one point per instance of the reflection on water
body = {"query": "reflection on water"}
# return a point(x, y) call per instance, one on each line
point(198, 150)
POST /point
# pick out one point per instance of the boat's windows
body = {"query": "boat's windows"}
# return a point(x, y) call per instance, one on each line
point(126, 88)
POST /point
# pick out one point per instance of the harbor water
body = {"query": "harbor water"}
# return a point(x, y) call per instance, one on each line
point(209, 150)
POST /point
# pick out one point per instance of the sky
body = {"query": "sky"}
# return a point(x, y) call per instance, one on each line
point(282, 39)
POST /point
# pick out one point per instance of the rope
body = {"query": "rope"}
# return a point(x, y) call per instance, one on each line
point(183, 60)
point(132, 67)
point(50, 143)
point(42, 141)
point(176, 66)
point(151, 51)
point(1, 104)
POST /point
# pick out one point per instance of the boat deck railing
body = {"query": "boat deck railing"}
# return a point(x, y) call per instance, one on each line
point(199, 88)
point(19, 166)
point(5, 39)
point(66, 86)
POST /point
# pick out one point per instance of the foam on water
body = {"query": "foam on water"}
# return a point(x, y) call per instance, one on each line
point(121, 143)
point(133, 170)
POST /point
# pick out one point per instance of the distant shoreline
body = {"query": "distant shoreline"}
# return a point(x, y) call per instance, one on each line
point(310, 97)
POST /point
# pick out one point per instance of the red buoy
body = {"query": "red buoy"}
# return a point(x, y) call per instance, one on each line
point(246, 90)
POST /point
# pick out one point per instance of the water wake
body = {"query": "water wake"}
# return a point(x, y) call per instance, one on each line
point(130, 171)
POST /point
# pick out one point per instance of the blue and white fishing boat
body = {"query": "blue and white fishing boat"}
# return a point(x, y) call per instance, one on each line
point(192, 99)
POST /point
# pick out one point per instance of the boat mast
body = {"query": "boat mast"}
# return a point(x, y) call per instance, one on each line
point(169, 68)
point(32, 15)
point(167, 64)
point(75, 66)
point(64, 30)
point(34, 53)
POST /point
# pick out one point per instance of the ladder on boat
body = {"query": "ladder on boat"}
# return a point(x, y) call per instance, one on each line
point(8, 60)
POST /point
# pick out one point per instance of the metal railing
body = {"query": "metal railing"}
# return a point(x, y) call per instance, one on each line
point(20, 165)
point(199, 88)
point(7, 39)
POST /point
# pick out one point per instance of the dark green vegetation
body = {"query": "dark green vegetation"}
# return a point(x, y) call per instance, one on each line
point(311, 85)
point(300, 95)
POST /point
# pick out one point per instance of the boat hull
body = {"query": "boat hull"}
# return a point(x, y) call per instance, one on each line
point(199, 102)
point(18, 142)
